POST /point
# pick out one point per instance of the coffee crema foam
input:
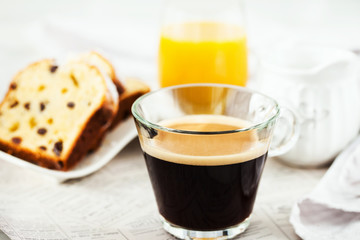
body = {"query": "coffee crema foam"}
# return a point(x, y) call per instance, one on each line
point(208, 149)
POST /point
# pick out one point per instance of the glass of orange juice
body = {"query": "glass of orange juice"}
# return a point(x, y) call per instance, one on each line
point(203, 42)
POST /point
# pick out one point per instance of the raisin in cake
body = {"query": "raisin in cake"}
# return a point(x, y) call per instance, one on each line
point(53, 115)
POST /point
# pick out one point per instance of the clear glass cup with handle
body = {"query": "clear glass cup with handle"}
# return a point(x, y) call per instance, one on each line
point(205, 159)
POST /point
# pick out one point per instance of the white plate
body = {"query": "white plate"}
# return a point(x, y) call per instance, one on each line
point(113, 143)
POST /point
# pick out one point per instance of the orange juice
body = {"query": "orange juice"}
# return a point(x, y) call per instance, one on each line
point(203, 52)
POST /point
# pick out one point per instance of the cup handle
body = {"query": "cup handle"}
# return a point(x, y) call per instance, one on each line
point(286, 132)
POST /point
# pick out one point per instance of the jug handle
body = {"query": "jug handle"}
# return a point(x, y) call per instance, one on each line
point(286, 132)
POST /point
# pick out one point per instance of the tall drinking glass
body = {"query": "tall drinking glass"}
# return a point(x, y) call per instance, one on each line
point(205, 163)
point(203, 42)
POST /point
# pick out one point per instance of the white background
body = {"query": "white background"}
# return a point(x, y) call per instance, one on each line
point(128, 29)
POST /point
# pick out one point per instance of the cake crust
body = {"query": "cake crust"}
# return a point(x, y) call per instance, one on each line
point(134, 88)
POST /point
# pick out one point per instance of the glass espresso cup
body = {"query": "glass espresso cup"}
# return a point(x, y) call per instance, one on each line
point(205, 158)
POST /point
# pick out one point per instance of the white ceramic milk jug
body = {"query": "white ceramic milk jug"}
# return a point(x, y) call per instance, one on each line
point(321, 86)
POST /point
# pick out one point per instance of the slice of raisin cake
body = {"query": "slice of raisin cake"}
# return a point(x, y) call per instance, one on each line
point(115, 87)
point(53, 115)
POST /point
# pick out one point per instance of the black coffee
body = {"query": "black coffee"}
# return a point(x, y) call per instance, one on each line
point(205, 197)
point(205, 181)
